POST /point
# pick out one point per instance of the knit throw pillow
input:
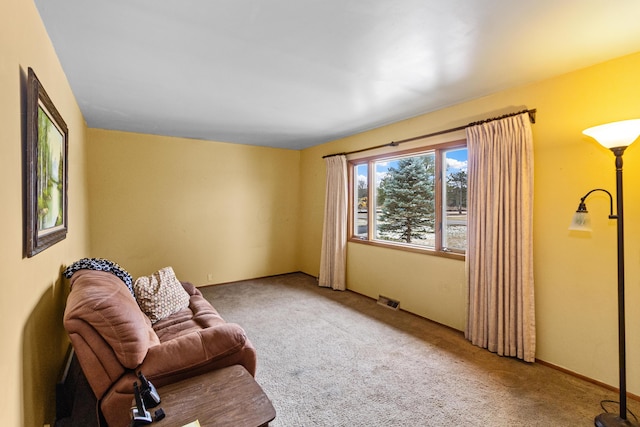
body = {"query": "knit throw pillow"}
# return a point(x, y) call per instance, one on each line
point(161, 294)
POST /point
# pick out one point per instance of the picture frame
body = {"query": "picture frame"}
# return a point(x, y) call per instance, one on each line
point(47, 149)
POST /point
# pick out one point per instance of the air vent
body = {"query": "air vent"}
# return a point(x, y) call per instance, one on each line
point(388, 302)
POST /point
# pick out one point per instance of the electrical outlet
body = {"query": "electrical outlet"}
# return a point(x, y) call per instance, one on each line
point(210, 276)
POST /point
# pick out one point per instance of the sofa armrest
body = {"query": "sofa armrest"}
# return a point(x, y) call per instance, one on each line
point(190, 351)
point(190, 288)
point(165, 364)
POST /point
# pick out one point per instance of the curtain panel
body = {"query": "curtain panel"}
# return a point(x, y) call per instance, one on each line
point(333, 257)
point(501, 311)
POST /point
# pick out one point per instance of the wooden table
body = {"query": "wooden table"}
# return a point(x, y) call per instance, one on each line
point(225, 397)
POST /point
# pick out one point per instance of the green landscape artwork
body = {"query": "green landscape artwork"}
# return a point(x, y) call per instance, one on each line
point(50, 174)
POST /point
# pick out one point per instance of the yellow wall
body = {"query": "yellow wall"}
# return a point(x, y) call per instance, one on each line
point(33, 340)
point(575, 275)
point(235, 212)
point(216, 212)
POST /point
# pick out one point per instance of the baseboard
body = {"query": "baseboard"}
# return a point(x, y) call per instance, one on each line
point(587, 379)
point(256, 278)
point(412, 314)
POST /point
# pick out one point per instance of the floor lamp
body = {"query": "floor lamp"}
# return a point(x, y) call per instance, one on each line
point(617, 137)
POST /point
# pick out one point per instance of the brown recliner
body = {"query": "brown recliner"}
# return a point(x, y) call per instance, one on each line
point(113, 340)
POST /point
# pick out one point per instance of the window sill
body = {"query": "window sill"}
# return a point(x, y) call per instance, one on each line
point(400, 247)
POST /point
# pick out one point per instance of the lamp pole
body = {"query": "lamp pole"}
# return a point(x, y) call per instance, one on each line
point(621, 309)
point(608, 419)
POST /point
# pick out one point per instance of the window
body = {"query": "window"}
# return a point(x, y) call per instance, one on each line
point(414, 200)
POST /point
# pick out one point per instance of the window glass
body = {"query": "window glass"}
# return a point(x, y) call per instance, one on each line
point(455, 200)
point(405, 200)
point(361, 201)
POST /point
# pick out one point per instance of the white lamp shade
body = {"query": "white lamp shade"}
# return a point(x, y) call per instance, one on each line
point(615, 134)
point(581, 221)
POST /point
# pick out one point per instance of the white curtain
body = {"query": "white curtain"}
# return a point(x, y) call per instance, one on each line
point(501, 313)
point(333, 258)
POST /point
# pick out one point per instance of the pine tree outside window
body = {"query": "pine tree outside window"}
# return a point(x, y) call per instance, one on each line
point(420, 200)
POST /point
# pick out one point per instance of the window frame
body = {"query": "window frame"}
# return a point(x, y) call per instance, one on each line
point(438, 150)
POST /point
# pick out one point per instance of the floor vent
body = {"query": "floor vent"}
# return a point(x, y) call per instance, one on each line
point(388, 302)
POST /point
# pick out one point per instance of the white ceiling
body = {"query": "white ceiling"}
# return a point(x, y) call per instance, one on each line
point(296, 73)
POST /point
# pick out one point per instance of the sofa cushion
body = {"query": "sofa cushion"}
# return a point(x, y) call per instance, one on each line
point(161, 294)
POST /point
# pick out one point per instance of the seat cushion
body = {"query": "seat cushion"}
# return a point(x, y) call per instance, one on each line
point(200, 314)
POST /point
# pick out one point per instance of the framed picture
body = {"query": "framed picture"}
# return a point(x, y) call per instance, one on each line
point(47, 169)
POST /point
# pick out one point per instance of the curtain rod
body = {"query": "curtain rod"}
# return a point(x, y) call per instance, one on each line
point(532, 118)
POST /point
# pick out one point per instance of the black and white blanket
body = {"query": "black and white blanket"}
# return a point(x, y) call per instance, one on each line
point(101, 264)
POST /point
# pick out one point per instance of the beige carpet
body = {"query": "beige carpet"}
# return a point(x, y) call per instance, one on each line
point(329, 358)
